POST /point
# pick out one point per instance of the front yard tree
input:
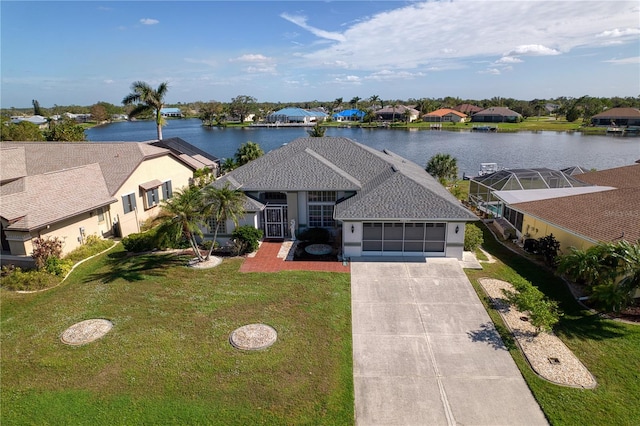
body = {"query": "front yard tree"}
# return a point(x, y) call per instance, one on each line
point(222, 204)
point(64, 130)
point(99, 113)
point(241, 106)
point(147, 100)
point(248, 152)
point(444, 167)
point(316, 131)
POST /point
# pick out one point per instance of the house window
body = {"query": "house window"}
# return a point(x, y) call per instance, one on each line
point(212, 226)
point(151, 198)
point(100, 214)
point(321, 205)
point(129, 203)
point(167, 190)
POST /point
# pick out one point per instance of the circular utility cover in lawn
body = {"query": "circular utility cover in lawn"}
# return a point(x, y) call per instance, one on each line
point(253, 337)
point(86, 331)
point(318, 249)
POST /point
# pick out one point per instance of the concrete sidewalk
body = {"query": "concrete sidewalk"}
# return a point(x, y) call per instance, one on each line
point(426, 353)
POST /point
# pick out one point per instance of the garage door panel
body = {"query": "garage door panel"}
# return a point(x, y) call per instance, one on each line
point(411, 238)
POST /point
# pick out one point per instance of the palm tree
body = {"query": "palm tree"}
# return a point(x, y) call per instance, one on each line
point(222, 204)
point(248, 152)
point(443, 166)
point(316, 131)
point(373, 99)
point(629, 256)
point(354, 101)
point(336, 104)
point(181, 215)
point(228, 164)
point(146, 100)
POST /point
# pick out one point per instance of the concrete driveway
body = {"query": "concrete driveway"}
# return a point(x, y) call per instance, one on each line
point(426, 353)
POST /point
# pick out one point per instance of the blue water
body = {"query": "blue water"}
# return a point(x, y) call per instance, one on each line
point(555, 150)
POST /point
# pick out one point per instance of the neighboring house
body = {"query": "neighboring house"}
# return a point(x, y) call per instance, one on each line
point(468, 109)
point(609, 211)
point(192, 155)
point(349, 115)
point(444, 115)
point(617, 117)
point(496, 115)
point(71, 190)
point(171, 112)
point(38, 120)
point(390, 113)
point(374, 203)
point(296, 115)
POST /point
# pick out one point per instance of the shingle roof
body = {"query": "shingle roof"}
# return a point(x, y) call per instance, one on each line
point(117, 159)
point(600, 216)
point(53, 196)
point(12, 163)
point(444, 111)
point(618, 177)
point(619, 113)
point(506, 112)
point(180, 146)
point(467, 108)
point(388, 186)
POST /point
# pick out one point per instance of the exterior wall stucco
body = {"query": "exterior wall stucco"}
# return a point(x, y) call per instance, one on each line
point(537, 228)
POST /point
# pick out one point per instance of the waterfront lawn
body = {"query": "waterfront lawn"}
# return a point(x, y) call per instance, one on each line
point(167, 359)
point(609, 349)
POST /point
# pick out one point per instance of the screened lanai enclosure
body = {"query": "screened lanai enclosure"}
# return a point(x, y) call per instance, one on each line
point(482, 188)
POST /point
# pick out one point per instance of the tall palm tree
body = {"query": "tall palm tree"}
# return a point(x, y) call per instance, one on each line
point(316, 131)
point(248, 152)
point(443, 166)
point(147, 99)
point(222, 204)
point(354, 101)
point(181, 215)
point(373, 99)
point(336, 104)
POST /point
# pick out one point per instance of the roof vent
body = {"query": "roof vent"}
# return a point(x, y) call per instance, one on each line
point(394, 169)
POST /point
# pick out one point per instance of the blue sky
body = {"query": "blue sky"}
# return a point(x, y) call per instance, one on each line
point(82, 52)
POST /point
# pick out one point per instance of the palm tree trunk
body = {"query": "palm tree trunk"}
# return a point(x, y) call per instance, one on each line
point(213, 243)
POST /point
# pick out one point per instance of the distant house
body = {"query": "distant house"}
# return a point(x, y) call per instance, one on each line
point(171, 112)
point(349, 115)
point(38, 120)
point(374, 203)
point(468, 109)
point(296, 115)
point(444, 115)
point(496, 115)
point(399, 112)
point(71, 190)
point(617, 117)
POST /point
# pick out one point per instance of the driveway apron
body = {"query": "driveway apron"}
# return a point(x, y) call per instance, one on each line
point(425, 351)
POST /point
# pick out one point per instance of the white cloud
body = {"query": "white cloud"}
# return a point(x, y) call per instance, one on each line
point(301, 21)
point(251, 58)
point(149, 21)
point(509, 60)
point(109, 81)
point(625, 61)
point(619, 33)
point(533, 50)
point(205, 61)
point(492, 71)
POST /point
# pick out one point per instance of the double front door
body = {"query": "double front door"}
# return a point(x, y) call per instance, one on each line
point(275, 222)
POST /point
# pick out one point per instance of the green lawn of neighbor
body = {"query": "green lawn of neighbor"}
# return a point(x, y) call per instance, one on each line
point(167, 359)
point(609, 349)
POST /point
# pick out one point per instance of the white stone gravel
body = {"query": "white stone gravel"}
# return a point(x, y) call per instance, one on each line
point(540, 349)
point(86, 331)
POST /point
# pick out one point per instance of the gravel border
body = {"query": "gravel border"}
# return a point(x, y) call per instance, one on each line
point(548, 356)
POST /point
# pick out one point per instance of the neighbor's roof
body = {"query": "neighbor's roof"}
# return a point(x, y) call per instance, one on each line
point(444, 111)
point(350, 113)
point(189, 153)
point(398, 109)
point(498, 111)
point(467, 108)
point(618, 177)
point(519, 196)
point(600, 216)
point(40, 200)
point(619, 113)
point(298, 112)
point(387, 186)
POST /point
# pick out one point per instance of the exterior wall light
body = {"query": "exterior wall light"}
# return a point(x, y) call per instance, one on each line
point(353, 228)
point(457, 228)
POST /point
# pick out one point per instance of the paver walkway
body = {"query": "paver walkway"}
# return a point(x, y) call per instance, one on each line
point(267, 260)
point(425, 351)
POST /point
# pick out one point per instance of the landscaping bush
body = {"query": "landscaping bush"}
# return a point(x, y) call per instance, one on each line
point(543, 312)
point(92, 245)
point(315, 235)
point(548, 247)
point(57, 266)
point(18, 280)
point(472, 237)
point(44, 248)
point(247, 237)
point(138, 243)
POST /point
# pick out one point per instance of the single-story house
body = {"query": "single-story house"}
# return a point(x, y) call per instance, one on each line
point(375, 203)
point(468, 109)
point(608, 211)
point(617, 117)
point(496, 115)
point(71, 190)
point(38, 120)
point(399, 112)
point(296, 115)
point(171, 112)
point(349, 115)
point(444, 115)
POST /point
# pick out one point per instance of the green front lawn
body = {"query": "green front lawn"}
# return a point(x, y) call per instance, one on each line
point(609, 349)
point(167, 359)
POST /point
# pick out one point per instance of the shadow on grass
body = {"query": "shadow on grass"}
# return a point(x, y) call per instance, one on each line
point(593, 327)
point(488, 333)
point(136, 268)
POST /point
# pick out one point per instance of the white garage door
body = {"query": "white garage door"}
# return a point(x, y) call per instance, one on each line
point(380, 238)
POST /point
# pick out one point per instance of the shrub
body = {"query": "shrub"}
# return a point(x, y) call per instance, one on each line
point(315, 235)
point(138, 243)
point(93, 245)
point(472, 237)
point(543, 312)
point(57, 266)
point(16, 279)
point(548, 247)
point(44, 248)
point(610, 296)
point(247, 237)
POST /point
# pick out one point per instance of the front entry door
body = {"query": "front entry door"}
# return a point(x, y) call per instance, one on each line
point(274, 222)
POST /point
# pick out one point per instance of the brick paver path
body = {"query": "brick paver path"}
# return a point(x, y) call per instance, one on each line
point(266, 260)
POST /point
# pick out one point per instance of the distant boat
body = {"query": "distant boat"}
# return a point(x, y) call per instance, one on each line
point(484, 129)
point(485, 169)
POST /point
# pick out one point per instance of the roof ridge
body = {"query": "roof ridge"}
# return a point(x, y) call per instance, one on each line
point(333, 167)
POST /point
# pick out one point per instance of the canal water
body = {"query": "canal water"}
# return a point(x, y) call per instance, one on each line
point(555, 150)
